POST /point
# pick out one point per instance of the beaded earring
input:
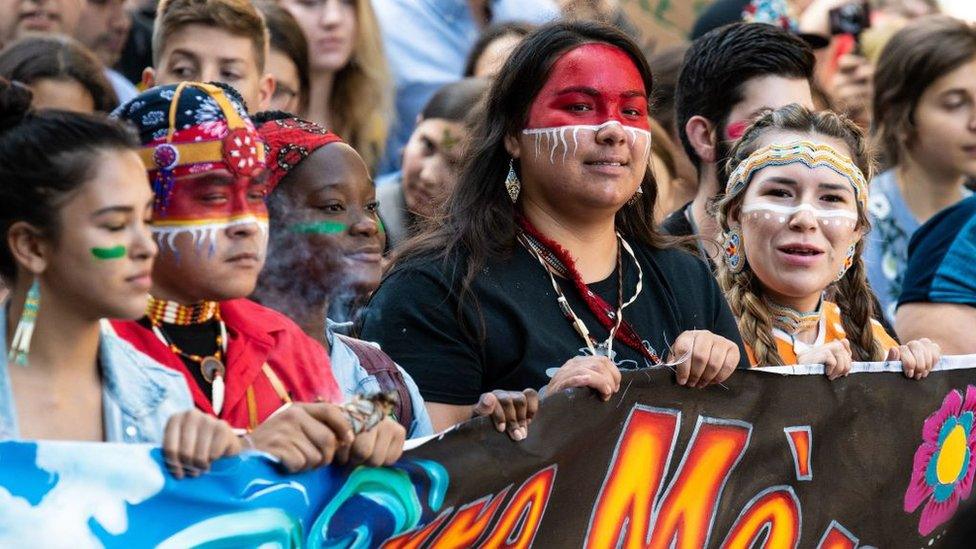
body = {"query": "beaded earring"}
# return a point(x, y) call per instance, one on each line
point(734, 257)
point(848, 261)
point(636, 196)
point(512, 183)
point(20, 344)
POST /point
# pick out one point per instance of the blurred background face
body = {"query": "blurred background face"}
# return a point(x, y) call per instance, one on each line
point(287, 94)
point(495, 55)
point(52, 16)
point(103, 28)
point(329, 234)
point(66, 95)
point(104, 254)
point(202, 53)
point(944, 137)
point(797, 254)
point(330, 27)
point(430, 164)
point(758, 95)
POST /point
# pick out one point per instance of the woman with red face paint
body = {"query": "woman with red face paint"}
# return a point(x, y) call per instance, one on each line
point(794, 215)
point(244, 363)
point(545, 270)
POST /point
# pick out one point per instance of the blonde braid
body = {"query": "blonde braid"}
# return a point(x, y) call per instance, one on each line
point(752, 315)
point(856, 303)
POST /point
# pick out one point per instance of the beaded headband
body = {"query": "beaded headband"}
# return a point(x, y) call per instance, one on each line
point(811, 155)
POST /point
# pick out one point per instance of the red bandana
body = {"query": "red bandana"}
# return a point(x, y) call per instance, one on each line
point(289, 141)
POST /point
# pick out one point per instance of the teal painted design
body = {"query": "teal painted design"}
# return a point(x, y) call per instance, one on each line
point(389, 489)
point(320, 227)
point(256, 528)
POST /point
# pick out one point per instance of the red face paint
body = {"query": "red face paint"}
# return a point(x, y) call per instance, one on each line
point(735, 130)
point(204, 204)
point(214, 196)
point(588, 86)
point(220, 186)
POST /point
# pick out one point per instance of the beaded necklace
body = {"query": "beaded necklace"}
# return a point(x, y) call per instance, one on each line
point(792, 321)
point(171, 312)
point(555, 259)
point(211, 367)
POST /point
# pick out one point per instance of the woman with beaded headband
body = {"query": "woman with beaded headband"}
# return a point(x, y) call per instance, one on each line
point(794, 216)
point(545, 269)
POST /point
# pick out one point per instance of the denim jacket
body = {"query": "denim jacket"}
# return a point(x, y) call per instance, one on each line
point(354, 380)
point(138, 394)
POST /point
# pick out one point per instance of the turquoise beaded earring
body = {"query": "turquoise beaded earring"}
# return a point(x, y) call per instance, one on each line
point(734, 256)
point(20, 344)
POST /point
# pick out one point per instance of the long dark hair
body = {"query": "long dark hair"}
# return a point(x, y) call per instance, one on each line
point(478, 219)
point(45, 157)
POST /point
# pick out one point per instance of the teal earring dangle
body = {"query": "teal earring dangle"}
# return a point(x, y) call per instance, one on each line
point(20, 344)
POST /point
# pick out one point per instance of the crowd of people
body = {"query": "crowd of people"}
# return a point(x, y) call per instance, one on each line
point(317, 228)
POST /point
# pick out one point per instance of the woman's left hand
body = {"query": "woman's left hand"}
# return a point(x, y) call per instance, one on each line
point(917, 357)
point(710, 358)
point(193, 440)
point(510, 411)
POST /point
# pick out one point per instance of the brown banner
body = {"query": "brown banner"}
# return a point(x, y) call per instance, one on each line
point(873, 459)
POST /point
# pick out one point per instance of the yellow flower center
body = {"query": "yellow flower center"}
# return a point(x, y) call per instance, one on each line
point(951, 456)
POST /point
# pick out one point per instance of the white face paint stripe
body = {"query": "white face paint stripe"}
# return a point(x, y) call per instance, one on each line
point(204, 234)
point(556, 137)
point(791, 210)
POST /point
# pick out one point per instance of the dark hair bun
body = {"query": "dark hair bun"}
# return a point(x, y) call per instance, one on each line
point(15, 102)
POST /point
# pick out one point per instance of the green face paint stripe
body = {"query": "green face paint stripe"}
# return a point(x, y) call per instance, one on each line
point(379, 223)
point(320, 227)
point(116, 252)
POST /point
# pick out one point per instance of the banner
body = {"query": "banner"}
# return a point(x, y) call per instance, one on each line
point(765, 460)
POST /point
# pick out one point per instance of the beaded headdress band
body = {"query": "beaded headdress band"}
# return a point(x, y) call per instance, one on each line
point(811, 155)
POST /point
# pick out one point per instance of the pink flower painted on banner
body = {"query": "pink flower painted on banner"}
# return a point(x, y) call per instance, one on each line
point(943, 470)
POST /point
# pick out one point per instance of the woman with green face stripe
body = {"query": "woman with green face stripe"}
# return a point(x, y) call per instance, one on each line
point(325, 257)
point(325, 253)
point(76, 248)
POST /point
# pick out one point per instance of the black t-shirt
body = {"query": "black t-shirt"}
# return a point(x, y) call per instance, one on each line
point(677, 224)
point(414, 317)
